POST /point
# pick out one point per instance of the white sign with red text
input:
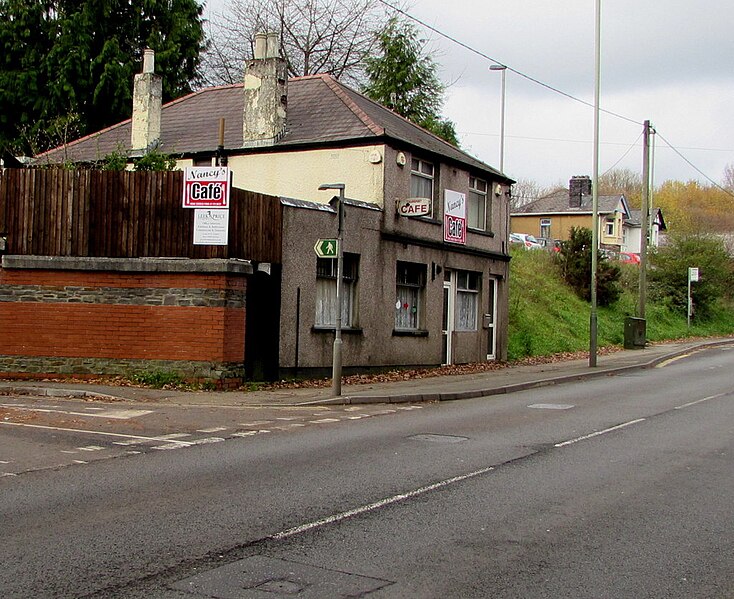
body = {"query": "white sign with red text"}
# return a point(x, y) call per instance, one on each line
point(206, 187)
point(454, 217)
point(414, 207)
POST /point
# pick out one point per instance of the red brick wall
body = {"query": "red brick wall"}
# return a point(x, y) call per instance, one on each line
point(117, 330)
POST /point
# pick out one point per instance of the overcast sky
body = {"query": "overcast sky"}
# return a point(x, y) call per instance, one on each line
point(669, 61)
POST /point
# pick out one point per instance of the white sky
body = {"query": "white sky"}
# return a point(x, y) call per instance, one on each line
point(669, 61)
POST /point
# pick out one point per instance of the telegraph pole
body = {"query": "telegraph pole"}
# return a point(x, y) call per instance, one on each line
point(645, 210)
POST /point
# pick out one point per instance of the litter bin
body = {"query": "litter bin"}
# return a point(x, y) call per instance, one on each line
point(635, 332)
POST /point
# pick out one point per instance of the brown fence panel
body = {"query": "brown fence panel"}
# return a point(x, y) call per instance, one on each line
point(57, 212)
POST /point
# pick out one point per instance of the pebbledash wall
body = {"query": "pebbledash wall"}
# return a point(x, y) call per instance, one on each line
point(111, 316)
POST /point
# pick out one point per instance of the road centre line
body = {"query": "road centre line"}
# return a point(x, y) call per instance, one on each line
point(597, 433)
point(106, 434)
point(693, 403)
point(377, 504)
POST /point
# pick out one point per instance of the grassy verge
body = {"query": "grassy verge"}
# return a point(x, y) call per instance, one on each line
point(546, 317)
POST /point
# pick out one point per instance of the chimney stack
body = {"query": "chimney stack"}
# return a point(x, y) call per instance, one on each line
point(147, 103)
point(265, 91)
point(578, 187)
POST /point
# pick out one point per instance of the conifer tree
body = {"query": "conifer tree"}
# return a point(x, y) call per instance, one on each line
point(403, 78)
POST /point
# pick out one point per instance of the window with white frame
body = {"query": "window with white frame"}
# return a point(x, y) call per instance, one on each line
point(545, 226)
point(477, 205)
point(326, 278)
point(421, 180)
point(468, 285)
point(410, 286)
point(610, 227)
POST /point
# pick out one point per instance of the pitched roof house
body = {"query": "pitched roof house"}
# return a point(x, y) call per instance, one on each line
point(420, 288)
point(553, 216)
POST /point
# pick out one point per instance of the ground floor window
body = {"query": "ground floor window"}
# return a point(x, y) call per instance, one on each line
point(410, 285)
point(468, 285)
point(326, 305)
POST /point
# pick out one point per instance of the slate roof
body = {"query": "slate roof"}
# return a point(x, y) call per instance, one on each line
point(557, 202)
point(321, 111)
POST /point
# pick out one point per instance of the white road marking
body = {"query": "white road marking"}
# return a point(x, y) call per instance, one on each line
point(255, 423)
point(91, 448)
point(105, 434)
point(80, 462)
point(377, 504)
point(9, 474)
point(693, 403)
point(113, 414)
point(324, 420)
point(410, 408)
point(250, 433)
point(597, 433)
point(552, 406)
point(207, 440)
point(214, 429)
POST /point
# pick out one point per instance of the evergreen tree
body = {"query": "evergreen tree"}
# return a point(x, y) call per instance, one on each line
point(63, 58)
point(403, 78)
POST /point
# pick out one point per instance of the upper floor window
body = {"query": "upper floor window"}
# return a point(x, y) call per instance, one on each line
point(326, 278)
point(610, 227)
point(477, 206)
point(421, 179)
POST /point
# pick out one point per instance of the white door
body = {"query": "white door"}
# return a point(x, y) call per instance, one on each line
point(448, 320)
point(491, 318)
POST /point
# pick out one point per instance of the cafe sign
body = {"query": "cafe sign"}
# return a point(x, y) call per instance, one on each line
point(206, 187)
point(414, 207)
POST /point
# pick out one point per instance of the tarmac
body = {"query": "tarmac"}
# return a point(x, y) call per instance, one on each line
point(507, 379)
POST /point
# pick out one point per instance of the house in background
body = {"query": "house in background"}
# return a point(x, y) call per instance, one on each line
point(553, 216)
point(632, 232)
point(421, 287)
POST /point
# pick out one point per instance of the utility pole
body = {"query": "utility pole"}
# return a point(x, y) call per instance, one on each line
point(645, 209)
point(595, 191)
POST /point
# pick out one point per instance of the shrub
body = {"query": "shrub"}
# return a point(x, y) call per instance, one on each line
point(668, 276)
point(575, 262)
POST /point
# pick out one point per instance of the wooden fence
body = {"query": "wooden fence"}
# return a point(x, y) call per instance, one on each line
point(87, 213)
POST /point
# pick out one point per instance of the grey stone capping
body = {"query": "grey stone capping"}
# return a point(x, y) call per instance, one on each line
point(173, 265)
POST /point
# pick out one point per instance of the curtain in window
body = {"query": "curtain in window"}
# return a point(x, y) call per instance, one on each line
point(466, 311)
point(406, 308)
point(326, 303)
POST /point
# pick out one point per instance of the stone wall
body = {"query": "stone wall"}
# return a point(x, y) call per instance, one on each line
point(106, 316)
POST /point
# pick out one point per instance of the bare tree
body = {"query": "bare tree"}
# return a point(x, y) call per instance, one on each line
point(621, 181)
point(729, 177)
point(317, 36)
point(525, 191)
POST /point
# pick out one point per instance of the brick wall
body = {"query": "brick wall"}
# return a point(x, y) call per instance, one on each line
point(87, 322)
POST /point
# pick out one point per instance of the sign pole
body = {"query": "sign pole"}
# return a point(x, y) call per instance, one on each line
point(336, 376)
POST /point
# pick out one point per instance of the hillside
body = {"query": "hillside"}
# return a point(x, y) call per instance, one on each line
point(546, 317)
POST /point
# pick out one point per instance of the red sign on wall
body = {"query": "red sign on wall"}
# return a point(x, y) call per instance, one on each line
point(206, 187)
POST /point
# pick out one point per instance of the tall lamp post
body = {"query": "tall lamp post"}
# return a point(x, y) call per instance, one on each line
point(503, 69)
point(336, 372)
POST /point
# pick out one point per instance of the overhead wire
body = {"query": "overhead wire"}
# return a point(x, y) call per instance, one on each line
point(544, 85)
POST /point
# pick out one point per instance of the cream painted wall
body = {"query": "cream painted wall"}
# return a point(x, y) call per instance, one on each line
point(299, 174)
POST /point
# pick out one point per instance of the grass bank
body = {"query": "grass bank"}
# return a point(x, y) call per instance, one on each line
point(546, 316)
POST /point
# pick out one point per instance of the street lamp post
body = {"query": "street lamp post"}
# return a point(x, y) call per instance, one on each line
point(503, 69)
point(336, 371)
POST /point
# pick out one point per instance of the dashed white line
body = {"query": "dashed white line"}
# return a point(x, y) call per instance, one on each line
point(9, 474)
point(214, 429)
point(91, 448)
point(324, 420)
point(693, 403)
point(4, 462)
point(378, 504)
point(597, 433)
point(255, 423)
point(87, 432)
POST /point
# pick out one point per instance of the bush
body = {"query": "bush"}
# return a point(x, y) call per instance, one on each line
point(575, 261)
point(668, 276)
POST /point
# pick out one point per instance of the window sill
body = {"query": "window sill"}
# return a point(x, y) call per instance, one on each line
point(482, 232)
point(345, 330)
point(409, 333)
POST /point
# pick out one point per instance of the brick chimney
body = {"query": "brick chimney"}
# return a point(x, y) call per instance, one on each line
point(147, 101)
point(578, 187)
point(266, 90)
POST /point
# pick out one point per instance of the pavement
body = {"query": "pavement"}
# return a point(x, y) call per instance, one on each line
point(431, 389)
